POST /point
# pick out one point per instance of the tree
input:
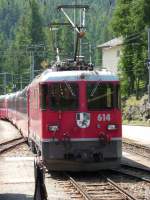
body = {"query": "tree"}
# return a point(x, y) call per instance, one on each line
point(36, 33)
point(9, 15)
point(2, 51)
point(129, 21)
point(29, 36)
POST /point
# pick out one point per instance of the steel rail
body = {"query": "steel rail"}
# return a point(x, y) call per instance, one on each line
point(79, 188)
point(137, 146)
point(129, 142)
point(147, 157)
point(136, 153)
point(9, 141)
point(122, 171)
point(11, 144)
point(121, 190)
point(146, 169)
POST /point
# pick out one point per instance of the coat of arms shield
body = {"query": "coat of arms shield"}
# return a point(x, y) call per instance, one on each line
point(83, 119)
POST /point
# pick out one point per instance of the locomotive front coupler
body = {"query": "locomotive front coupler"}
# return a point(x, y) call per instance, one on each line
point(67, 141)
point(103, 138)
point(54, 137)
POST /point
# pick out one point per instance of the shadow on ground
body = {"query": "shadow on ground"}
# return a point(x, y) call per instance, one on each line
point(9, 196)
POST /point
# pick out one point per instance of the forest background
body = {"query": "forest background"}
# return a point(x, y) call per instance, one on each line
point(25, 39)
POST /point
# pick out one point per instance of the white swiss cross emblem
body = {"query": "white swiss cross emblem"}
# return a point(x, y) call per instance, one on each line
point(83, 120)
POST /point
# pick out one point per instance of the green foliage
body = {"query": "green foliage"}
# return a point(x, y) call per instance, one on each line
point(130, 20)
point(9, 15)
point(36, 26)
point(134, 109)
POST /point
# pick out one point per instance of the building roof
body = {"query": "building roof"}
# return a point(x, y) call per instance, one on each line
point(112, 43)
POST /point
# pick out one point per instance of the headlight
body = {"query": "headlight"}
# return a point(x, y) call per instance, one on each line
point(112, 127)
point(53, 128)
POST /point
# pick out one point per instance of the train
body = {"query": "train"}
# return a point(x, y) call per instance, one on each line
point(72, 119)
point(70, 114)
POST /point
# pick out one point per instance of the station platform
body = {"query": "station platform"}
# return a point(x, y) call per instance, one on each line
point(139, 134)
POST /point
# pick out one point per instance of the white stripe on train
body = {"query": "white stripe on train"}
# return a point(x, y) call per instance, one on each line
point(82, 139)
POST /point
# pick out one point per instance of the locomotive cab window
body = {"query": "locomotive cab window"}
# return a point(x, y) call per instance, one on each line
point(63, 96)
point(101, 95)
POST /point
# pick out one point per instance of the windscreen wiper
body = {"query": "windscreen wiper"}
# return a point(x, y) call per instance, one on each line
point(95, 88)
point(69, 88)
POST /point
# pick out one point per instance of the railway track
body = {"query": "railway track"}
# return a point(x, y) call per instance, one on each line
point(135, 148)
point(137, 173)
point(104, 189)
point(11, 144)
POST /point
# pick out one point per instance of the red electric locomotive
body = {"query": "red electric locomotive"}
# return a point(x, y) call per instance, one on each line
point(75, 119)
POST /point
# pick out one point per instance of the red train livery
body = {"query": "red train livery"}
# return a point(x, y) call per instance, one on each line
point(71, 118)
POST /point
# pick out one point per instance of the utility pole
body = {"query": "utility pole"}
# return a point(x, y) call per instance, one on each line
point(149, 64)
point(33, 52)
point(12, 82)
point(90, 53)
point(21, 83)
point(31, 65)
point(75, 24)
point(5, 83)
point(80, 54)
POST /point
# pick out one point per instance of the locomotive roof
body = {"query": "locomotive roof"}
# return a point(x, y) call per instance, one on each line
point(49, 75)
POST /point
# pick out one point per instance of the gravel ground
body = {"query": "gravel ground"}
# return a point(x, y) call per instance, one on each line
point(139, 189)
